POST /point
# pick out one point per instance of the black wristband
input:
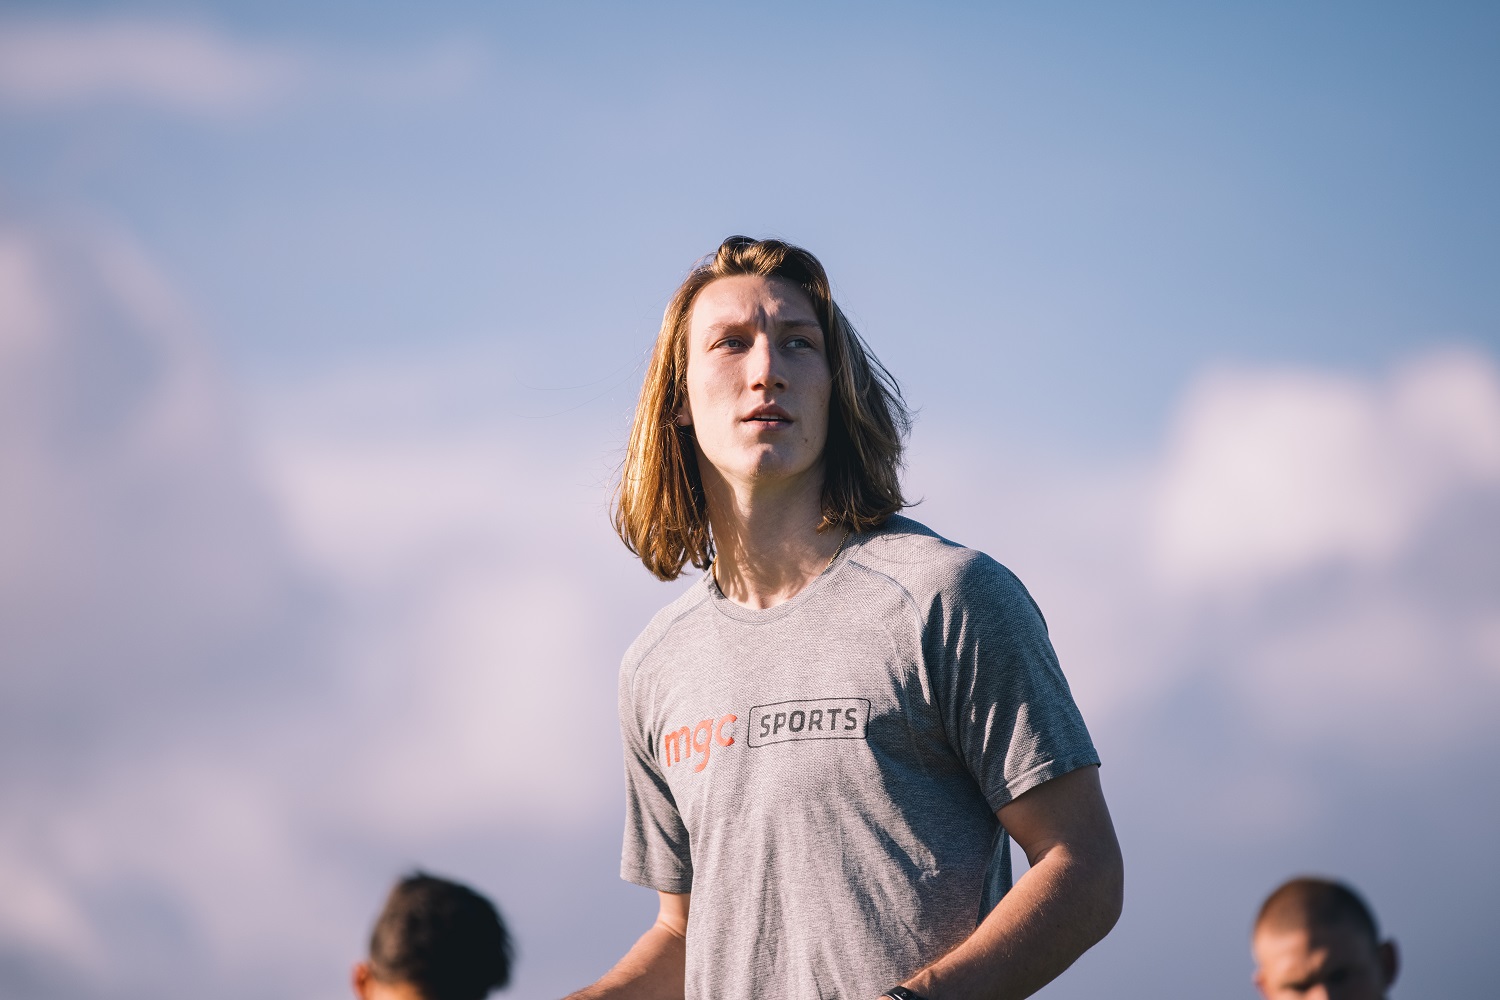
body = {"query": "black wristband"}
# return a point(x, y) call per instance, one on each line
point(902, 993)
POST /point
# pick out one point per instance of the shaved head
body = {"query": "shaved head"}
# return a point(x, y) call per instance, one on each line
point(1316, 938)
point(1305, 903)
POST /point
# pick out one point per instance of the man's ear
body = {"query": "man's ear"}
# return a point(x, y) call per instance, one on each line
point(359, 977)
point(1390, 962)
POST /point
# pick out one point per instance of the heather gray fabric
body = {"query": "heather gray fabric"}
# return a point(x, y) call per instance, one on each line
point(823, 775)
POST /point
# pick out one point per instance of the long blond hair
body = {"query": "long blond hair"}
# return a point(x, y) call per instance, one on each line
point(660, 511)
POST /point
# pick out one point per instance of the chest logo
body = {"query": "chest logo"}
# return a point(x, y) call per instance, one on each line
point(812, 719)
point(682, 744)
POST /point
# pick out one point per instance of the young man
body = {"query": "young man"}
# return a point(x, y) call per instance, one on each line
point(830, 737)
point(434, 940)
point(1317, 940)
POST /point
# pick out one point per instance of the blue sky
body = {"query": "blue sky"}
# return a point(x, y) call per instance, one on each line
point(320, 329)
point(1084, 203)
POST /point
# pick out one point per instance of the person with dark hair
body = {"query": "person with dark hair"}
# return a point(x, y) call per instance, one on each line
point(832, 737)
point(435, 940)
point(1315, 939)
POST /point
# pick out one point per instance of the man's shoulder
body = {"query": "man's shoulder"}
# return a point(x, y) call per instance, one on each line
point(913, 554)
point(662, 623)
point(930, 567)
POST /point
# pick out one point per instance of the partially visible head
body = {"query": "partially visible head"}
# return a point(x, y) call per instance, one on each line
point(435, 940)
point(1316, 938)
point(660, 509)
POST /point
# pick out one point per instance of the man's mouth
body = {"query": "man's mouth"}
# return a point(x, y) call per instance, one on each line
point(769, 416)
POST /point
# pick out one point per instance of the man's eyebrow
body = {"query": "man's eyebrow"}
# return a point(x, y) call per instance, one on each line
point(732, 324)
point(1310, 980)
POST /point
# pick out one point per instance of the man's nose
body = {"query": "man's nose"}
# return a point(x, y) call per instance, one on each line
point(765, 366)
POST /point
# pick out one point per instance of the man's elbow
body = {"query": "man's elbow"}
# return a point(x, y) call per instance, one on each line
point(1095, 874)
point(1107, 877)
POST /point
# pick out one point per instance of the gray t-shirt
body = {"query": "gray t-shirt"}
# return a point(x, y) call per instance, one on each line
point(823, 775)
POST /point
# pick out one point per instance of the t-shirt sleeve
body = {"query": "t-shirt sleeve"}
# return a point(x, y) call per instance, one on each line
point(656, 841)
point(1005, 704)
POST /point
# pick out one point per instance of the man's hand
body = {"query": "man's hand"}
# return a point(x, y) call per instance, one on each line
point(1061, 907)
point(654, 967)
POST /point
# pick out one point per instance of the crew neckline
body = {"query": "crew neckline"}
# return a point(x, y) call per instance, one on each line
point(756, 616)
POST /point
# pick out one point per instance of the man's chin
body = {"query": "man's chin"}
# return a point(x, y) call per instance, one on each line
point(770, 466)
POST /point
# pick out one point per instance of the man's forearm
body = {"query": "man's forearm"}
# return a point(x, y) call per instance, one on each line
point(651, 970)
point(1059, 909)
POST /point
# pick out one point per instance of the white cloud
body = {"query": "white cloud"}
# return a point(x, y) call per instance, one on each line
point(191, 68)
point(369, 627)
point(126, 504)
point(380, 613)
point(1272, 473)
point(454, 551)
point(180, 66)
point(40, 913)
point(1352, 524)
point(141, 570)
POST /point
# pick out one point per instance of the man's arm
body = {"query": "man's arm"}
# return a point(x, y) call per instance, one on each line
point(653, 968)
point(1061, 907)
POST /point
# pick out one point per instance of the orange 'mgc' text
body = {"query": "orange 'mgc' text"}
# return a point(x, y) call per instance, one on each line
point(699, 739)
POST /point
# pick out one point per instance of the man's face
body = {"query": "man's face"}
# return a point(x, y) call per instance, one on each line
point(1337, 962)
point(758, 383)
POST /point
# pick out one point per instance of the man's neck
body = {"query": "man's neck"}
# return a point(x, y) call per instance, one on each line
point(766, 539)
